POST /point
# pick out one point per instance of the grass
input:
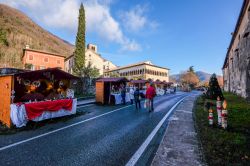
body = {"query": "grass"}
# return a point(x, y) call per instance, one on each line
point(230, 146)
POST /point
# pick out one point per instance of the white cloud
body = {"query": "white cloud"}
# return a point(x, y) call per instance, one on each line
point(99, 20)
point(24, 3)
point(135, 19)
point(63, 14)
point(131, 45)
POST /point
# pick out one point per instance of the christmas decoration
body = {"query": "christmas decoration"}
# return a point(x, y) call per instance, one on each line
point(219, 107)
point(224, 115)
point(214, 89)
point(210, 117)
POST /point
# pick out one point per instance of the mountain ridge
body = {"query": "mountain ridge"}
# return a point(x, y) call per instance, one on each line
point(203, 76)
point(18, 30)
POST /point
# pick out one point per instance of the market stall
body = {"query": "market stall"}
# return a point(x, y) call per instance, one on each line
point(159, 87)
point(141, 84)
point(108, 90)
point(36, 95)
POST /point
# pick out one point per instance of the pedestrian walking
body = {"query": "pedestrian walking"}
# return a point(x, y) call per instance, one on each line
point(131, 95)
point(137, 98)
point(150, 94)
point(123, 95)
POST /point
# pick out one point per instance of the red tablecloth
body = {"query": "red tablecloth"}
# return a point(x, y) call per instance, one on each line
point(34, 110)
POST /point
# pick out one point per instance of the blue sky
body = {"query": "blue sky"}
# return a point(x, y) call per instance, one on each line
point(171, 33)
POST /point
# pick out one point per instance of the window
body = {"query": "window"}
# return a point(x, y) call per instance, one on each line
point(58, 62)
point(30, 57)
point(46, 59)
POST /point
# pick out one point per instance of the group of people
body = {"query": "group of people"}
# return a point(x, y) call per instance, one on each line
point(136, 96)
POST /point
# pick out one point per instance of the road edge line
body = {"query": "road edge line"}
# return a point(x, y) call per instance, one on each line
point(133, 160)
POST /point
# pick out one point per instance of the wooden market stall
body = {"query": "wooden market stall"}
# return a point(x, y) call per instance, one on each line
point(106, 86)
point(158, 84)
point(36, 95)
point(139, 83)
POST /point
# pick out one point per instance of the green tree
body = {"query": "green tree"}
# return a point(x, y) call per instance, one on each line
point(191, 69)
point(89, 71)
point(79, 53)
point(87, 74)
point(214, 89)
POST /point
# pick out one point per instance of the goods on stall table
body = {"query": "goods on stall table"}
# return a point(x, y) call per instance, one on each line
point(37, 111)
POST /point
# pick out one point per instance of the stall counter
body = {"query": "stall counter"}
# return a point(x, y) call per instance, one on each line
point(38, 111)
point(118, 98)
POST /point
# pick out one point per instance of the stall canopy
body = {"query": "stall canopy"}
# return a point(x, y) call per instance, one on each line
point(118, 79)
point(43, 74)
point(157, 82)
point(104, 88)
point(139, 81)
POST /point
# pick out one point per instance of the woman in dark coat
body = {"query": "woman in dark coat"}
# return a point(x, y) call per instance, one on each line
point(137, 98)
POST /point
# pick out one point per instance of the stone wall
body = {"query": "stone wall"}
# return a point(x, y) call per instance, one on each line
point(238, 71)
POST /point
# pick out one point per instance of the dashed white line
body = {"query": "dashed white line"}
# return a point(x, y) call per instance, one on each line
point(57, 130)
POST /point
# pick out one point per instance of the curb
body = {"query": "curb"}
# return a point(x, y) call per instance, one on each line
point(79, 105)
point(201, 151)
point(85, 98)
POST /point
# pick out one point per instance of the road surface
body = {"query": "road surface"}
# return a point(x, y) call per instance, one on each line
point(106, 135)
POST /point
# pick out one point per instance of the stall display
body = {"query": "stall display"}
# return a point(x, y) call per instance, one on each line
point(37, 95)
point(108, 90)
point(37, 111)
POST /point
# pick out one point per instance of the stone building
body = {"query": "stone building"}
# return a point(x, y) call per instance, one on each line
point(236, 67)
point(37, 59)
point(143, 70)
point(91, 56)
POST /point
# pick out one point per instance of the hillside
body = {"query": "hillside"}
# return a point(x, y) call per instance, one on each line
point(18, 30)
point(203, 76)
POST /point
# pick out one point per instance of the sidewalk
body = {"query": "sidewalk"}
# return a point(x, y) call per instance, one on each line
point(180, 145)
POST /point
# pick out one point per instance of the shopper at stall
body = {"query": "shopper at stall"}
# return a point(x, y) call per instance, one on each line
point(137, 98)
point(123, 94)
point(150, 94)
point(131, 95)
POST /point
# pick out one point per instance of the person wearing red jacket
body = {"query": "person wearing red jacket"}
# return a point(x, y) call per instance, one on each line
point(150, 94)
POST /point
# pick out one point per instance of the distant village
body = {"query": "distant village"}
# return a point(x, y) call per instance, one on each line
point(33, 59)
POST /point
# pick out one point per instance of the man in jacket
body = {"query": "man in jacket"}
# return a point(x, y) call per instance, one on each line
point(150, 94)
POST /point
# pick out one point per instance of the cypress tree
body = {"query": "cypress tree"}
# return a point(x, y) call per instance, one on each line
point(79, 53)
point(214, 89)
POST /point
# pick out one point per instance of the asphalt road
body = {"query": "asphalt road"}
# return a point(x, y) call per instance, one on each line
point(106, 135)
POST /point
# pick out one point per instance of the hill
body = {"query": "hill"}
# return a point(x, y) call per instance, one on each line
point(203, 76)
point(18, 30)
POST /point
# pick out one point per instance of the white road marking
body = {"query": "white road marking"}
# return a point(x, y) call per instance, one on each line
point(133, 160)
point(85, 106)
point(57, 130)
